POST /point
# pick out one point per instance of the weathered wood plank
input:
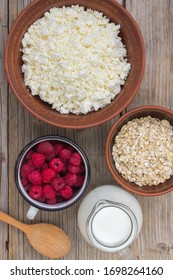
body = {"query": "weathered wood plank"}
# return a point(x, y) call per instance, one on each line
point(19, 135)
point(155, 19)
point(3, 131)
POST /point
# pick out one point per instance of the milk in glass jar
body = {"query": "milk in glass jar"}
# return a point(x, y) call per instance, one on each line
point(110, 218)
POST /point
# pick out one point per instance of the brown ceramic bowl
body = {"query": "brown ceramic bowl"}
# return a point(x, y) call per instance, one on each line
point(131, 37)
point(153, 111)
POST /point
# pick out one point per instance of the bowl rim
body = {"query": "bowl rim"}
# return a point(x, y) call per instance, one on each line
point(41, 205)
point(107, 146)
point(93, 123)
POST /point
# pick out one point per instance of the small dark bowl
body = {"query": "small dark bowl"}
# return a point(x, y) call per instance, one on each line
point(153, 111)
point(62, 205)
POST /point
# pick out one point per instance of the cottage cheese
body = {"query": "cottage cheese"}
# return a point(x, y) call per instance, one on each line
point(74, 59)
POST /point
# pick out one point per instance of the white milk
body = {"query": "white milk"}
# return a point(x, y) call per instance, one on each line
point(110, 218)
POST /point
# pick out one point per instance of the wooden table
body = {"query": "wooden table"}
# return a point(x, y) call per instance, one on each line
point(18, 127)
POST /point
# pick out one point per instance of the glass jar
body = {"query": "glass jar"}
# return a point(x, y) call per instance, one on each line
point(110, 218)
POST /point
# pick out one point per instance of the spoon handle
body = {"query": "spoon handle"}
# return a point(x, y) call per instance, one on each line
point(11, 221)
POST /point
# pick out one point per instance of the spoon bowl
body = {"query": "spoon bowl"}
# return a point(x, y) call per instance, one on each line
point(47, 239)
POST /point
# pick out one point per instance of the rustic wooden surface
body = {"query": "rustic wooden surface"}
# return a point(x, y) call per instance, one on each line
point(18, 127)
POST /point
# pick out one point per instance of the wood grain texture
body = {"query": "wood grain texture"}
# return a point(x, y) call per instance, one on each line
point(18, 127)
point(3, 130)
point(47, 239)
point(155, 20)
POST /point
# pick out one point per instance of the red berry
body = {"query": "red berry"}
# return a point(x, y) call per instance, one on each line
point(28, 186)
point(35, 177)
point(67, 192)
point(41, 199)
point(29, 154)
point(75, 159)
point(79, 180)
point(56, 164)
point(35, 192)
point(58, 184)
point(51, 201)
point(38, 159)
point(26, 169)
point(64, 155)
point(71, 149)
point(45, 148)
point(49, 192)
point(47, 175)
point(70, 179)
point(24, 181)
point(81, 168)
point(31, 164)
point(73, 169)
point(50, 156)
point(58, 147)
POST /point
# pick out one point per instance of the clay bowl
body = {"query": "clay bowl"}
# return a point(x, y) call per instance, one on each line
point(153, 111)
point(131, 37)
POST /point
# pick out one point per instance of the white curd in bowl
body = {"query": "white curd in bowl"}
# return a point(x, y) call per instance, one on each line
point(74, 59)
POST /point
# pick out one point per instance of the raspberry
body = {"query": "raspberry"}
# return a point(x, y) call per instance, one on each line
point(67, 192)
point(35, 177)
point(29, 154)
point(81, 168)
point(26, 170)
point(51, 201)
point(24, 181)
point(70, 179)
point(35, 192)
point(41, 199)
point(79, 181)
point(48, 191)
point(64, 155)
point(45, 148)
point(38, 159)
point(75, 159)
point(73, 169)
point(58, 147)
point(47, 175)
point(50, 156)
point(71, 149)
point(56, 164)
point(27, 187)
point(58, 184)
point(31, 164)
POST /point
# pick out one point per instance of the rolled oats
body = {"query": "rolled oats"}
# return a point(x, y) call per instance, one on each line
point(143, 151)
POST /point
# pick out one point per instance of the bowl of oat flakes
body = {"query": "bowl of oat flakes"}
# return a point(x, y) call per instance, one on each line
point(139, 150)
point(75, 63)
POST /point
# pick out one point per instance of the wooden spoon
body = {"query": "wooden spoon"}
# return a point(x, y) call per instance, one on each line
point(47, 239)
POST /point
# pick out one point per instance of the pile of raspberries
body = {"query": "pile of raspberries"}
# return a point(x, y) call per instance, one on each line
point(52, 171)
